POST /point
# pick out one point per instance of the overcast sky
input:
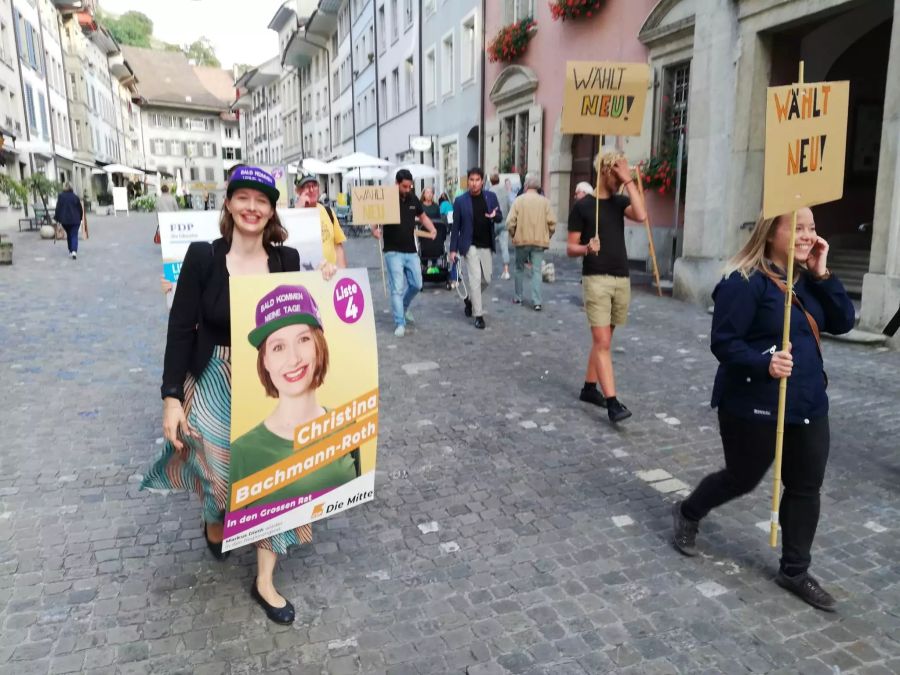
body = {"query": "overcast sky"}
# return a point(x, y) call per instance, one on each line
point(237, 28)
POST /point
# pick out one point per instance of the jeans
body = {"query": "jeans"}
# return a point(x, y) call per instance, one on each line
point(503, 241)
point(72, 236)
point(405, 279)
point(534, 255)
point(749, 451)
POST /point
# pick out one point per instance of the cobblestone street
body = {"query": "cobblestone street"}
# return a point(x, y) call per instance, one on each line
point(513, 529)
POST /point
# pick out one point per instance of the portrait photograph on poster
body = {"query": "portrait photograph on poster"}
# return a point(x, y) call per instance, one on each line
point(304, 417)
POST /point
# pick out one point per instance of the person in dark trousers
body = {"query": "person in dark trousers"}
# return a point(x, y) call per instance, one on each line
point(472, 237)
point(69, 213)
point(746, 338)
point(605, 283)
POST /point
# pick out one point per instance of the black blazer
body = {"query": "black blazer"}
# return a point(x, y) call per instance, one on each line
point(200, 317)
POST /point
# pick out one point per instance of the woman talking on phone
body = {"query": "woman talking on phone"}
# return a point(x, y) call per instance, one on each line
point(746, 338)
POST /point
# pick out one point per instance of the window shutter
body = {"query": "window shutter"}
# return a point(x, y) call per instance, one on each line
point(535, 139)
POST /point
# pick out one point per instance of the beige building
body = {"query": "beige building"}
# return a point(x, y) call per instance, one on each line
point(736, 50)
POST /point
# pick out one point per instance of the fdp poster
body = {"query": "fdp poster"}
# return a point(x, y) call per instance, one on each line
point(179, 229)
point(304, 408)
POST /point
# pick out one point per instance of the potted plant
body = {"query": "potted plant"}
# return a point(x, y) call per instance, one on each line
point(6, 251)
point(511, 41)
point(575, 9)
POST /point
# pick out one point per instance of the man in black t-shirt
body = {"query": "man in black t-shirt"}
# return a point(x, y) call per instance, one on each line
point(605, 284)
point(401, 255)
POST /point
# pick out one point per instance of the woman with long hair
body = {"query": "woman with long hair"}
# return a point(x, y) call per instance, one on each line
point(746, 338)
point(196, 387)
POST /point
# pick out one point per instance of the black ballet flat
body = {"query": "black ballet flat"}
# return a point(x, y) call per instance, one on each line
point(281, 615)
point(215, 549)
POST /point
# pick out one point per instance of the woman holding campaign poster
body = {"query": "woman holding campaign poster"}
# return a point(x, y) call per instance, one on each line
point(292, 363)
point(196, 388)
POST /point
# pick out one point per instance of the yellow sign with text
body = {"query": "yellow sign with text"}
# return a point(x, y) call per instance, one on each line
point(806, 141)
point(376, 205)
point(604, 97)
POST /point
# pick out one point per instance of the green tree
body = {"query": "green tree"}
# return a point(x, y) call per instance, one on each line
point(202, 53)
point(131, 28)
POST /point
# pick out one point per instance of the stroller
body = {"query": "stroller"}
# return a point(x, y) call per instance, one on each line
point(433, 255)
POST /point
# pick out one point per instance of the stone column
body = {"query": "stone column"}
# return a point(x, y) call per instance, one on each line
point(881, 286)
point(711, 125)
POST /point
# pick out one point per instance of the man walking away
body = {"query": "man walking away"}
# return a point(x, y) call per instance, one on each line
point(69, 213)
point(605, 283)
point(166, 201)
point(500, 230)
point(401, 256)
point(531, 223)
point(472, 237)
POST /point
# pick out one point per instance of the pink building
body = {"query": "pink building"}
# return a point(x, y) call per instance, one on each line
point(523, 101)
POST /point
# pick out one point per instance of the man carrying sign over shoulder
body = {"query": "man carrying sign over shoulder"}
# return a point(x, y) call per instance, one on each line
point(400, 252)
point(333, 237)
point(605, 283)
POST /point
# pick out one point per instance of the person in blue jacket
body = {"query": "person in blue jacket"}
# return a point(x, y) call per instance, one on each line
point(746, 339)
point(472, 237)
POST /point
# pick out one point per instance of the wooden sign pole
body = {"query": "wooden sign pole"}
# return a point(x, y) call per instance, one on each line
point(640, 182)
point(782, 384)
point(380, 243)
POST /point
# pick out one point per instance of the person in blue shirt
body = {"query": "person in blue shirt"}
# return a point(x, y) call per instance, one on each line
point(746, 338)
point(69, 213)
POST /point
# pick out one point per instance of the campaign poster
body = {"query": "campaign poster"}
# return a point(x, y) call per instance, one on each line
point(806, 143)
point(605, 98)
point(179, 229)
point(376, 205)
point(304, 408)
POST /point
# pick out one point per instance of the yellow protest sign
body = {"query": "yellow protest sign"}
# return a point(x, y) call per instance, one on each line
point(603, 97)
point(806, 140)
point(376, 205)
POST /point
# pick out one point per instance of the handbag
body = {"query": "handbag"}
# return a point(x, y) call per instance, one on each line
point(156, 238)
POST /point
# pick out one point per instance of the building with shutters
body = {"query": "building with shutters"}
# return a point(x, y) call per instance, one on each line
point(397, 53)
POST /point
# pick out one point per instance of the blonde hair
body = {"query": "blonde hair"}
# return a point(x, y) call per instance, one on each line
point(606, 158)
point(753, 255)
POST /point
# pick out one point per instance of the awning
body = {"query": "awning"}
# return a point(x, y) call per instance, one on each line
point(121, 168)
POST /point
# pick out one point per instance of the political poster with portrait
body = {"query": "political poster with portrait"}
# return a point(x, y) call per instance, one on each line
point(179, 229)
point(304, 408)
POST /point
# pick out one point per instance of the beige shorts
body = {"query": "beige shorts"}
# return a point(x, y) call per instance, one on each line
point(606, 299)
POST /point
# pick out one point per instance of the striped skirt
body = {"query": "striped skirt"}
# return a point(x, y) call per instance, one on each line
point(204, 467)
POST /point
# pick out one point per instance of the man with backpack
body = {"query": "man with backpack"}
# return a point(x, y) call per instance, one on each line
point(333, 237)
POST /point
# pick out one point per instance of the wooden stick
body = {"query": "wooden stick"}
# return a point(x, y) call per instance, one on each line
point(782, 384)
point(640, 183)
point(597, 205)
point(380, 244)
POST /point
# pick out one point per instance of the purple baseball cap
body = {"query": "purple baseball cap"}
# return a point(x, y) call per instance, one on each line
point(255, 179)
point(284, 306)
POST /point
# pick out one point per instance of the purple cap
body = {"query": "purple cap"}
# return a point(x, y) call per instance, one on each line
point(255, 179)
point(284, 306)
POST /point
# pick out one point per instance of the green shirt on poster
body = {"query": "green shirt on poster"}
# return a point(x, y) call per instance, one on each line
point(259, 449)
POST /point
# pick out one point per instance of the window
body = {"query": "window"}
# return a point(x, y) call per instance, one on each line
point(395, 91)
point(514, 144)
point(42, 107)
point(195, 173)
point(229, 132)
point(675, 107)
point(175, 148)
point(447, 65)
point(469, 55)
point(210, 174)
point(410, 84)
point(382, 29)
point(430, 79)
point(430, 7)
point(29, 103)
point(395, 20)
point(382, 99)
point(408, 12)
point(515, 10)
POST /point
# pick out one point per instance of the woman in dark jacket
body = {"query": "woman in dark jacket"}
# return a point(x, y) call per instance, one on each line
point(746, 337)
point(196, 388)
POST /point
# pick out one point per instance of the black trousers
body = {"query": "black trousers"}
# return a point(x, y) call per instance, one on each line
point(749, 452)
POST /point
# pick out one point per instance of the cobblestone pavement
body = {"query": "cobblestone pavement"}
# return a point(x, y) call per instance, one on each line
point(514, 530)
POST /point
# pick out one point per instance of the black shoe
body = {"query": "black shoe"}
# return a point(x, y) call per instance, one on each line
point(468, 307)
point(617, 412)
point(283, 615)
point(593, 396)
point(516, 301)
point(685, 537)
point(537, 308)
point(479, 322)
point(807, 589)
point(215, 548)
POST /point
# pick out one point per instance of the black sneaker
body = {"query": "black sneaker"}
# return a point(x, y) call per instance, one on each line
point(685, 536)
point(616, 411)
point(479, 322)
point(593, 396)
point(807, 589)
point(468, 307)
